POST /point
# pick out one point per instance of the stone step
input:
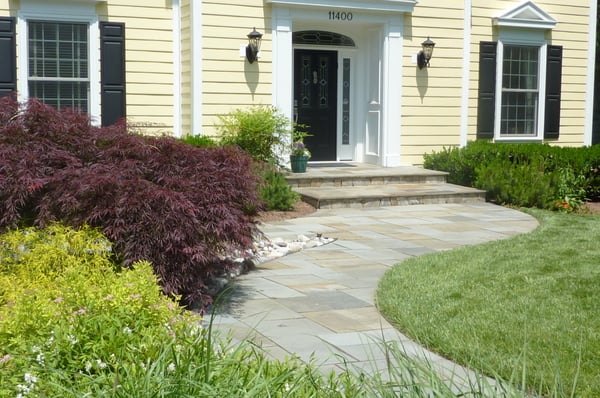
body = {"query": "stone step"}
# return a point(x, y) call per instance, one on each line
point(339, 184)
point(388, 195)
point(363, 175)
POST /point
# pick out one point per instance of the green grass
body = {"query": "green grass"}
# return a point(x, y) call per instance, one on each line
point(526, 309)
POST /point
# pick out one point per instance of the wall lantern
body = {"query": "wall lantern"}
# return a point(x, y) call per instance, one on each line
point(425, 55)
point(253, 47)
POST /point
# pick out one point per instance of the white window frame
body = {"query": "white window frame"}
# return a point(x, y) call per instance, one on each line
point(69, 13)
point(529, 39)
point(524, 25)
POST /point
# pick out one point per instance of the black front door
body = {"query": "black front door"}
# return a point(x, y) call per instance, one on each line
point(315, 100)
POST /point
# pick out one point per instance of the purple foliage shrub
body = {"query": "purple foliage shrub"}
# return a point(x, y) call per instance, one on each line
point(178, 206)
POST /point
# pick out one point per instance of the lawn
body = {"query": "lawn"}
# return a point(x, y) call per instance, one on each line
point(525, 309)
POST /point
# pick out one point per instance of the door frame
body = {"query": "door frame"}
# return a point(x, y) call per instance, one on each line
point(391, 26)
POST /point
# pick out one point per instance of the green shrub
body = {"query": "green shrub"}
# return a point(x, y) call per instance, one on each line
point(70, 318)
point(570, 190)
point(202, 141)
point(516, 183)
point(573, 173)
point(261, 131)
point(275, 192)
point(461, 163)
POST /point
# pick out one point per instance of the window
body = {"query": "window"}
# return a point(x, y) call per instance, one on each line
point(58, 64)
point(520, 78)
point(519, 98)
point(520, 91)
point(68, 58)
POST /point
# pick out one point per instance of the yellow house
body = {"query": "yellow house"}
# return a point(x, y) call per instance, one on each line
point(354, 71)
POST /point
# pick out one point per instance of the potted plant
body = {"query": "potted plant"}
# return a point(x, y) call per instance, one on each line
point(299, 157)
point(299, 154)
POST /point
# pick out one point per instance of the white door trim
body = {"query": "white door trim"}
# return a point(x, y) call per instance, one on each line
point(392, 27)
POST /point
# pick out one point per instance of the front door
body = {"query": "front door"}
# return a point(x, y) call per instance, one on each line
point(315, 100)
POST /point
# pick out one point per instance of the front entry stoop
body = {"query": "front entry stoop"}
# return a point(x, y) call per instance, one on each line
point(335, 185)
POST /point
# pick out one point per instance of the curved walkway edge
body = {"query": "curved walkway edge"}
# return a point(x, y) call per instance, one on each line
point(318, 304)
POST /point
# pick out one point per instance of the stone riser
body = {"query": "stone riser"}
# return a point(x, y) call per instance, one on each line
point(298, 182)
point(392, 201)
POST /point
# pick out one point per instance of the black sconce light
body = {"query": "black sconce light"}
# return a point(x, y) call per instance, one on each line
point(253, 47)
point(425, 55)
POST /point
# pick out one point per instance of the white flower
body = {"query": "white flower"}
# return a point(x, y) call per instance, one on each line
point(29, 378)
point(40, 359)
point(287, 387)
point(72, 339)
point(88, 366)
point(171, 367)
point(143, 366)
point(23, 388)
point(127, 330)
point(101, 365)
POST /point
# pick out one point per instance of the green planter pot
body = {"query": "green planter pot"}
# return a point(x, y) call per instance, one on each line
point(298, 163)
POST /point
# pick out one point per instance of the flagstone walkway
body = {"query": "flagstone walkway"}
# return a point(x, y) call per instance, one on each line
point(319, 303)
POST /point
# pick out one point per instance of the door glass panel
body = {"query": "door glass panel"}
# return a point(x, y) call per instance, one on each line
point(321, 38)
point(306, 82)
point(346, 102)
point(323, 82)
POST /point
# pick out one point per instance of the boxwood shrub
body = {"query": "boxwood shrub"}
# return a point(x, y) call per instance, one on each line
point(524, 174)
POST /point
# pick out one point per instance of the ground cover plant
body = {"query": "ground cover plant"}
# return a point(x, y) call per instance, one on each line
point(528, 175)
point(158, 199)
point(523, 308)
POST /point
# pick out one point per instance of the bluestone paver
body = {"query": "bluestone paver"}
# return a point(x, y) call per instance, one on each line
point(318, 304)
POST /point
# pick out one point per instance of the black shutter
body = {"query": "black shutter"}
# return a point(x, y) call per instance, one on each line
point(8, 56)
point(112, 73)
point(486, 105)
point(553, 85)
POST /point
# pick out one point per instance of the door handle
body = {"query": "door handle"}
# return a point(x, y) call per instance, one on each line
point(315, 77)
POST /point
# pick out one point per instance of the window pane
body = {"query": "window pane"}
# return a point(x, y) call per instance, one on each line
point(61, 94)
point(346, 103)
point(520, 68)
point(519, 113)
point(519, 90)
point(58, 63)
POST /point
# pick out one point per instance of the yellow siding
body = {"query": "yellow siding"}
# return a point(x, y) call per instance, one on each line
point(5, 7)
point(225, 73)
point(149, 60)
point(431, 97)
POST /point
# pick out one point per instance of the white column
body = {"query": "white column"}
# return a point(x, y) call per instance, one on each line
point(196, 67)
point(392, 93)
point(176, 68)
point(466, 70)
point(591, 72)
point(282, 61)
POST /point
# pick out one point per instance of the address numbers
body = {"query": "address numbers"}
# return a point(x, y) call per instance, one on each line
point(340, 16)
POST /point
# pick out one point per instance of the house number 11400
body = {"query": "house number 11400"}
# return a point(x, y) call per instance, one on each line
point(340, 16)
